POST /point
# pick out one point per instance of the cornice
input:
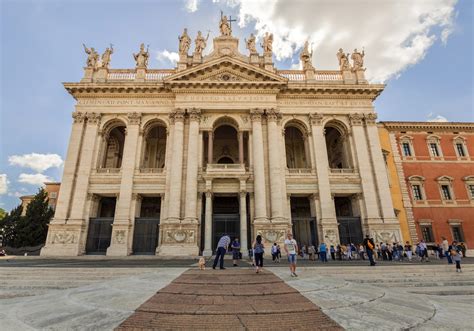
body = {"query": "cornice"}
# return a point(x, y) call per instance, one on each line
point(423, 126)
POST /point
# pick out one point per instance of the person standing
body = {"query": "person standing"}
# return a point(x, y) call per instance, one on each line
point(408, 250)
point(222, 246)
point(456, 254)
point(274, 251)
point(323, 252)
point(332, 250)
point(258, 249)
point(291, 247)
point(278, 253)
point(369, 247)
point(361, 252)
point(424, 251)
point(235, 251)
point(445, 245)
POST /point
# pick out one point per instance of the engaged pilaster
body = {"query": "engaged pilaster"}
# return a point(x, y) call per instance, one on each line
point(192, 166)
point(258, 166)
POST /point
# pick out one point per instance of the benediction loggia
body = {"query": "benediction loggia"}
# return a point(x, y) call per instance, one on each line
point(165, 161)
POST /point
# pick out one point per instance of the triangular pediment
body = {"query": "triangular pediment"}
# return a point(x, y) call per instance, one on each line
point(226, 69)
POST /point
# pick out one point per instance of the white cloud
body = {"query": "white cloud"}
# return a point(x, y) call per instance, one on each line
point(191, 5)
point(34, 179)
point(395, 34)
point(165, 57)
point(3, 183)
point(37, 162)
point(438, 118)
point(15, 194)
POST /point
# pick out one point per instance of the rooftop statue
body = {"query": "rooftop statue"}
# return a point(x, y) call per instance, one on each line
point(358, 60)
point(251, 44)
point(92, 57)
point(306, 57)
point(142, 57)
point(200, 43)
point(184, 43)
point(106, 57)
point(224, 26)
point(343, 60)
point(267, 43)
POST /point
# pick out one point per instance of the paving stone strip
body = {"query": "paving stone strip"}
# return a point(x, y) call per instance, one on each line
point(232, 299)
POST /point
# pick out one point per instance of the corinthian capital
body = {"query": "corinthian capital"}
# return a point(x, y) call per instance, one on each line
point(355, 119)
point(177, 115)
point(256, 114)
point(316, 119)
point(194, 114)
point(78, 117)
point(93, 118)
point(273, 115)
point(134, 118)
point(370, 118)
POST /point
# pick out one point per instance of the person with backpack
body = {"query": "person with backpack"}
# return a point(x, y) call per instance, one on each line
point(235, 251)
point(456, 253)
point(369, 247)
point(258, 249)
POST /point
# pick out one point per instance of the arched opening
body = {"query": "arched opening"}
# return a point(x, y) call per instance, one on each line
point(114, 147)
point(337, 148)
point(295, 146)
point(155, 148)
point(225, 144)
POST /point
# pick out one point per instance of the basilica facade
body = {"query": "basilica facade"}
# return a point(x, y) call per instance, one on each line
point(165, 161)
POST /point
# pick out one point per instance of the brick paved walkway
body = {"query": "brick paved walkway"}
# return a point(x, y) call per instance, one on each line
point(232, 299)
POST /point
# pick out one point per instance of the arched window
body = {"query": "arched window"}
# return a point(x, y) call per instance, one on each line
point(295, 146)
point(226, 144)
point(337, 147)
point(114, 142)
point(154, 147)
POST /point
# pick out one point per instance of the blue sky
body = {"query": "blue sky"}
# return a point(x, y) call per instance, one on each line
point(42, 47)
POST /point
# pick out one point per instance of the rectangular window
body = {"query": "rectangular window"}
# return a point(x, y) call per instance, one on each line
point(406, 149)
point(427, 233)
point(434, 149)
point(446, 192)
point(457, 233)
point(417, 192)
point(460, 149)
point(471, 191)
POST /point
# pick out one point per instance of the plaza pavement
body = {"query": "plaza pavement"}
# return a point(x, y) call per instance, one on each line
point(101, 293)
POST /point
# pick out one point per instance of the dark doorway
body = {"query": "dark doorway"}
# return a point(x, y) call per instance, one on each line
point(100, 228)
point(303, 224)
point(226, 218)
point(350, 228)
point(145, 234)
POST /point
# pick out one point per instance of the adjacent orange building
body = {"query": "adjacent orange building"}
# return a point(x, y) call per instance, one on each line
point(434, 163)
point(51, 188)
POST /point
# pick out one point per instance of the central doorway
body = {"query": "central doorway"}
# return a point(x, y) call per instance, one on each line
point(303, 224)
point(145, 234)
point(225, 218)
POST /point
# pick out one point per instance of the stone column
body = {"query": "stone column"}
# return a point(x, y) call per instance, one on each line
point(192, 166)
point(276, 197)
point(176, 168)
point(58, 223)
point(365, 169)
point(241, 147)
point(210, 144)
point(380, 171)
point(328, 219)
point(208, 225)
point(243, 223)
point(123, 218)
point(258, 167)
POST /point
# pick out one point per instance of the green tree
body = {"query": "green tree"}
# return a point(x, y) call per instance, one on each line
point(9, 224)
point(3, 213)
point(33, 227)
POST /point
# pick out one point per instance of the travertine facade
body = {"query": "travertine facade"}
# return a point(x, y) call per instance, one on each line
point(223, 143)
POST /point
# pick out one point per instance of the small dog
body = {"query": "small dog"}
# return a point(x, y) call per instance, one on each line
point(202, 263)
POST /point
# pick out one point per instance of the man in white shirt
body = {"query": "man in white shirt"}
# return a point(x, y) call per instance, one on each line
point(291, 249)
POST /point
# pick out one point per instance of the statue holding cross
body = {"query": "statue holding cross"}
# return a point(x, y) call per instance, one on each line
point(225, 25)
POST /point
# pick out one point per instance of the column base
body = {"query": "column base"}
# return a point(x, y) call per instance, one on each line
point(121, 240)
point(207, 252)
point(388, 233)
point(65, 239)
point(178, 240)
point(272, 233)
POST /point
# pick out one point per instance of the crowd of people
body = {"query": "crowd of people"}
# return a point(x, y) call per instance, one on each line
point(367, 250)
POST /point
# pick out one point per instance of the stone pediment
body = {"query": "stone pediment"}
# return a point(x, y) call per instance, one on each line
point(226, 70)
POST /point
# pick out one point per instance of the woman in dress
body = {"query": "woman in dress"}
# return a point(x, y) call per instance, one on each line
point(258, 249)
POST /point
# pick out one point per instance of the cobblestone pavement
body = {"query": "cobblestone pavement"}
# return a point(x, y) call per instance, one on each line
point(232, 299)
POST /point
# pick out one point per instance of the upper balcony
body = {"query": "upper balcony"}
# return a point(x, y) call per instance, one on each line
point(225, 170)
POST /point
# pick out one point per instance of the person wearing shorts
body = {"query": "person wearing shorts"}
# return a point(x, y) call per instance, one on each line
point(291, 249)
point(235, 251)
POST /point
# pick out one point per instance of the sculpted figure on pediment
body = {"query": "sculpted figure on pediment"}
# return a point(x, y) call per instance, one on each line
point(184, 43)
point(106, 57)
point(251, 44)
point(200, 43)
point(343, 60)
point(141, 57)
point(267, 43)
point(306, 57)
point(92, 57)
point(358, 59)
point(224, 26)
